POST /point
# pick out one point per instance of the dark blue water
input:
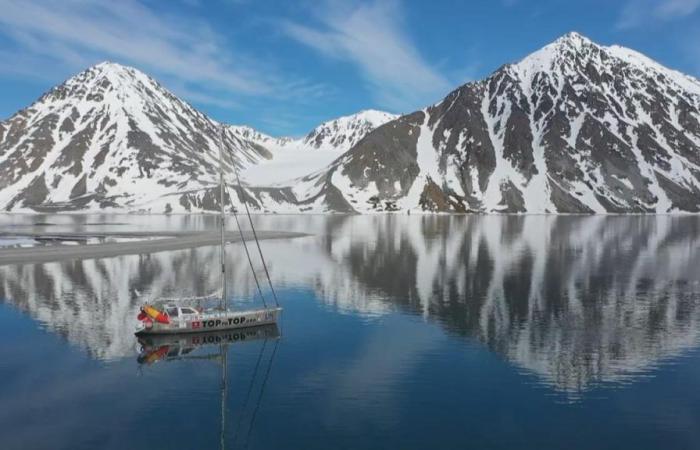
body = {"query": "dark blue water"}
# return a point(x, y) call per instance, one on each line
point(398, 332)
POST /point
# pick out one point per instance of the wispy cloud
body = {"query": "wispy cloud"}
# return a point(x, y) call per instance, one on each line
point(639, 12)
point(75, 33)
point(202, 96)
point(371, 36)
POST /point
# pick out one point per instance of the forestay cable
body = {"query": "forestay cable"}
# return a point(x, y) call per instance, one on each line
point(252, 227)
point(257, 242)
point(245, 246)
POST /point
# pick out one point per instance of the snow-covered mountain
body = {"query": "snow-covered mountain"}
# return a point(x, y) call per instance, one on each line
point(292, 158)
point(112, 138)
point(337, 135)
point(573, 127)
point(345, 132)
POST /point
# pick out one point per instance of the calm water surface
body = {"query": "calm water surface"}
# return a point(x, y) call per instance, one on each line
point(398, 332)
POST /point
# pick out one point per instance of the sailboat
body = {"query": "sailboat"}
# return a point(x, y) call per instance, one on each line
point(176, 316)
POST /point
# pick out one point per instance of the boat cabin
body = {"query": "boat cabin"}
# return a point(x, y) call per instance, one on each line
point(181, 313)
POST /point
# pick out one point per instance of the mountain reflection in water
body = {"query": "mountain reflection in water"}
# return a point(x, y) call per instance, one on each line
point(575, 300)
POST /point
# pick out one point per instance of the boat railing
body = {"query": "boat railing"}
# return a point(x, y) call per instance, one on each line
point(193, 299)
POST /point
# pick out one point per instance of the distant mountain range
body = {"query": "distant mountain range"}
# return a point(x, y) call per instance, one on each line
point(573, 128)
point(112, 138)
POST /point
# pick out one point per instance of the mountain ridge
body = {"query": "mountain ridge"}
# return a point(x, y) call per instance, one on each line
point(574, 127)
point(113, 138)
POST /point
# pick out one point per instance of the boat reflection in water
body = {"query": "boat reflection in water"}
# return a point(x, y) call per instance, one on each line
point(170, 347)
point(199, 346)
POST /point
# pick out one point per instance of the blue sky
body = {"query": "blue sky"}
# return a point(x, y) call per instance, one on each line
point(285, 66)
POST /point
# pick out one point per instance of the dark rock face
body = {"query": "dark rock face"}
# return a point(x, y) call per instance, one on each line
point(335, 201)
point(80, 188)
point(679, 195)
point(24, 150)
point(435, 199)
point(566, 202)
point(573, 128)
point(74, 152)
point(385, 156)
point(34, 194)
point(512, 199)
point(459, 118)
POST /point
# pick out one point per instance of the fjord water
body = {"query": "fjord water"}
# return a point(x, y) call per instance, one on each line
point(398, 332)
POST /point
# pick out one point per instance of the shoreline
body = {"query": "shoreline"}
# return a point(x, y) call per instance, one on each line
point(171, 241)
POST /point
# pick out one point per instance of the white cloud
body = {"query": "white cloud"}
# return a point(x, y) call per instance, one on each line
point(370, 36)
point(76, 33)
point(639, 12)
point(671, 9)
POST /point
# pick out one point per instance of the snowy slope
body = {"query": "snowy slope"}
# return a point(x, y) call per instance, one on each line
point(292, 158)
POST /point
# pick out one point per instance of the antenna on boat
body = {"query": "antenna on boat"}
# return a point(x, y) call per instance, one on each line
point(222, 218)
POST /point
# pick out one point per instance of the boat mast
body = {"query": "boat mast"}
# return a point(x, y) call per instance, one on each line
point(223, 351)
point(222, 219)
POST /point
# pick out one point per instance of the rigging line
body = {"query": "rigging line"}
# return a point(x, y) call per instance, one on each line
point(255, 234)
point(250, 390)
point(223, 221)
point(245, 246)
point(262, 391)
point(257, 242)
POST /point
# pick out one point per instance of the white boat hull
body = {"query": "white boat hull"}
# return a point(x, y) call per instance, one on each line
point(212, 321)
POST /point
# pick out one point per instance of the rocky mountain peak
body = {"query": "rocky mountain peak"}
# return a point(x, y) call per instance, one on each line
point(346, 131)
point(575, 58)
point(573, 39)
point(103, 82)
point(568, 55)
